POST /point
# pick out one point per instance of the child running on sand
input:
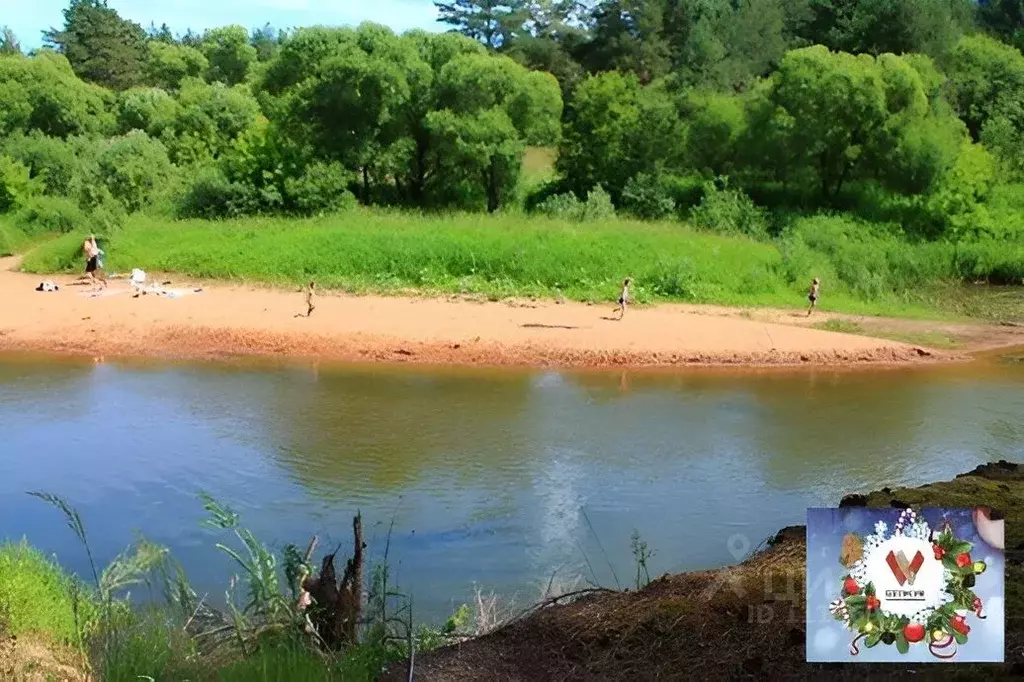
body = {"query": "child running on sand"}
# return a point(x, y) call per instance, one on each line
point(310, 293)
point(812, 295)
point(623, 298)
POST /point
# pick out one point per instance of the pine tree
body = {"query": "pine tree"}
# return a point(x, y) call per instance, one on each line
point(101, 46)
point(493, 22)
point(8, 42)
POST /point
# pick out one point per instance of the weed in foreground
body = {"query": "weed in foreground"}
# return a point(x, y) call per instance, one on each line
point(276, 634)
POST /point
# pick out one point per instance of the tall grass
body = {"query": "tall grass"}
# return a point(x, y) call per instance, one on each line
point(268, 637)
point(865, 268)
point(36, 596)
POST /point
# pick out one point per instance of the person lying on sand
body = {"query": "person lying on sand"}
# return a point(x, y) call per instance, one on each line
point(812, 295)
point(310, 293)
point(623, 299)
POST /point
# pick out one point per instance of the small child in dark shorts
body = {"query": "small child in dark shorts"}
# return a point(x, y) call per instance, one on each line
point(310, 293)
point(812, 295)
point(623, 298)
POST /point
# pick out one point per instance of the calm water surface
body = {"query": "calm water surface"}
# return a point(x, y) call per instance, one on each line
point(493, 479)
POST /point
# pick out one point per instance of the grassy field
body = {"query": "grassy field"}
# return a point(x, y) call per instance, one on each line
point(500, 256)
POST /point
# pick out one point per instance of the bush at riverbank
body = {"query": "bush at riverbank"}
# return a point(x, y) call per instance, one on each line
point(514, 255)
point(68, 629)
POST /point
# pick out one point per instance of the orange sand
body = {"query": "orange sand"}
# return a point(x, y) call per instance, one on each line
point(226, 320)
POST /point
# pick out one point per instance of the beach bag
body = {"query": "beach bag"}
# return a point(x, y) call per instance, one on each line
point(138, 276)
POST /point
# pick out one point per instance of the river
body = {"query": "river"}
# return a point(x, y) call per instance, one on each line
point(502, 480)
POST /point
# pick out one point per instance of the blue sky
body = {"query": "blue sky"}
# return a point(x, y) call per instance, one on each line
point(30, 18)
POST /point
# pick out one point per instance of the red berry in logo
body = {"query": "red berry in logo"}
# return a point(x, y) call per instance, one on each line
point(914, 632)
point(872, 603)
point(850, 587)
point(939, 552)
point(960, 625)
point(963, 560)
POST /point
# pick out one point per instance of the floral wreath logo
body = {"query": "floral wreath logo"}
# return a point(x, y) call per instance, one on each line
point(908, 587)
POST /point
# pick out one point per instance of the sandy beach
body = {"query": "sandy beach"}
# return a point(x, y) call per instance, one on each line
point(232, 320)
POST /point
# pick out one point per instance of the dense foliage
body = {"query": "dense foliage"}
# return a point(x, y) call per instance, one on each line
point(740, 116)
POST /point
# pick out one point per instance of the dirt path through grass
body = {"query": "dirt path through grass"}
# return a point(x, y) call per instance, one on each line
point(225, 320)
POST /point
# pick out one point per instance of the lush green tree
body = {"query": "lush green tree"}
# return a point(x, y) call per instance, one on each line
point(1005, 140)
point(101, 47)
point(16, 184)
point(715, 125)
point(42, 93)
point(9, 44)
point(628, 35)
point(489, 109)
point(835, 117)
point(879, 26)
point(723, 44)
point(167, 64)
point(958, 202)
point(133, 167)
point(1005, 18)
point(267, 41)
point(986, 80)
point(50, 160)
point(229, 54)
point(365, 77)
point(532, 101)
point(480, 155)
point(493, 22)
point(412, 106)
point(554, 32)
point(160, 35)
point(616, 129)
point(150, 109)
point(209, 118)
point(415, 162)
point(301, 54)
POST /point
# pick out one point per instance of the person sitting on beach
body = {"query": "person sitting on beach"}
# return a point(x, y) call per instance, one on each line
point(812, 295)
point(623, 299)
point(310, 293)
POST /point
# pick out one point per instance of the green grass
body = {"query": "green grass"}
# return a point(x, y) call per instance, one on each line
point(499, 256)
point(38, 598)
point(929, 338)
point(12, 240)
point(840, 326)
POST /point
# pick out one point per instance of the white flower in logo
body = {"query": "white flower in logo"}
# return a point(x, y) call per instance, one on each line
point(880, 529)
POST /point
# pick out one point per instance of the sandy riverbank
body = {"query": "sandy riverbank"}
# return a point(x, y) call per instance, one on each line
point(225, 320)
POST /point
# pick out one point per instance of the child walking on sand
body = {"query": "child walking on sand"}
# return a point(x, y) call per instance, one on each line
point(812, 295)
point(623, 298)
point(310, 293)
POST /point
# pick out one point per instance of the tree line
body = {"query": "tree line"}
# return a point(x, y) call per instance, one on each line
point(906, 112)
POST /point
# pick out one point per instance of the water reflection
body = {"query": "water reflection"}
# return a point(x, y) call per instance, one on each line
point(499, 478)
